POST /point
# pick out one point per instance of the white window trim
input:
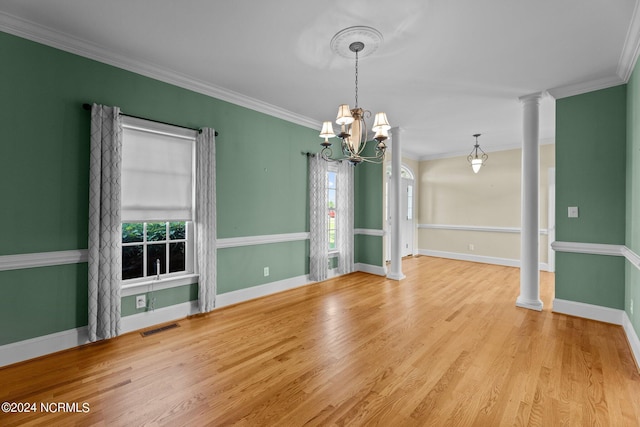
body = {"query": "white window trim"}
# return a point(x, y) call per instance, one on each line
point(138, 287)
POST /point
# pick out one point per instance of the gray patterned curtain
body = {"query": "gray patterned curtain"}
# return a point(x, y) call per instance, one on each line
point(344, 217)
point(205, 219)
point(105, 263)
point(318, 218)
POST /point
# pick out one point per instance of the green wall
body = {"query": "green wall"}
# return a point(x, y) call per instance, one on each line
point(590, 173)
point(591, 279)
point(590, 166)
point(632, 238)
point(368, 211)
point(41, 301)
point(164, 298)
point(598, 170)
point(261, 180)
point(239, 269)
point(368, 250)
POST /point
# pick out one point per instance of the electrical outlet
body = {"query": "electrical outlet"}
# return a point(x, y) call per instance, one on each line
point(141, 301)
point(631, 306)
point(472, 247)
point(266, 271)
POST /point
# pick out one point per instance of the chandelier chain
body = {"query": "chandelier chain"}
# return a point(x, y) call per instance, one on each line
point(356, 79)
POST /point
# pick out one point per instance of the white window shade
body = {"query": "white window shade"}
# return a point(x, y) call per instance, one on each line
point(157, 171)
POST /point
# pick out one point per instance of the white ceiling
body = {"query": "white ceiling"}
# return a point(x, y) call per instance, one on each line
point(446, 69)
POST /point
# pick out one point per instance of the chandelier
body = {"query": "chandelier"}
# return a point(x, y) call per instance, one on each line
point(353, 125)
point(477, 158)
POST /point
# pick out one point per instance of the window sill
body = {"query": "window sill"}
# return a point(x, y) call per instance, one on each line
point(166, 283)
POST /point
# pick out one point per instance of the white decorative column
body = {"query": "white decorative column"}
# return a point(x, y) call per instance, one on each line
point(529, 237)
point(395, 272)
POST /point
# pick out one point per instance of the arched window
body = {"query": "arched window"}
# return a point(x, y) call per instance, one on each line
point(405, 172)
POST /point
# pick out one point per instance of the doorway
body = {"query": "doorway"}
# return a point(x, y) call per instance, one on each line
point(407, 208)
point(551, 222)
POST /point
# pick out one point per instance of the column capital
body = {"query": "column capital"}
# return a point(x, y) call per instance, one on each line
point(532, 98)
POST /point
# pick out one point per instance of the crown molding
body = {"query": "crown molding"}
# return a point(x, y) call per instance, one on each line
point(59, 40)
point(585, 87)
point(626, 64)
point(631, 47)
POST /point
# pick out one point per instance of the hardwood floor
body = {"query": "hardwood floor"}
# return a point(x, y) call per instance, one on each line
point(445, 346)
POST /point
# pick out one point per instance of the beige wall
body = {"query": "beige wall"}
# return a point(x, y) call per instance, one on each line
point(451, 194)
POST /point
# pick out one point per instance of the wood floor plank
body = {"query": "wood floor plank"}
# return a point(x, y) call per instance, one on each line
point(445, 346)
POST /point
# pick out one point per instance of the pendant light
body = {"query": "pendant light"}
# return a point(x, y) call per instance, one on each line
point(477, 158)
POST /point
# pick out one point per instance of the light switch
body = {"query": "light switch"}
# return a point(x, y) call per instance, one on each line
point(573, 212)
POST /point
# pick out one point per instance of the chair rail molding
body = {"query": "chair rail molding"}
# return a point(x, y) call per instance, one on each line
point(598, 249)
point(43, 259)
point(485, 228)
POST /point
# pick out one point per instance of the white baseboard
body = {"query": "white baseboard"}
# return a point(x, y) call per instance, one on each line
point(632, 338)
point(509, 262)
point(602, 314)
point(52, 343)
point(253, 292)
point(396, 276)
point(39, 346)
point(333, 272)
point(371, 269)
point(588, 311)
point(246, 294)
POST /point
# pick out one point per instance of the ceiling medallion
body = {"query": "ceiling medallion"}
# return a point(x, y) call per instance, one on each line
point(369, 37)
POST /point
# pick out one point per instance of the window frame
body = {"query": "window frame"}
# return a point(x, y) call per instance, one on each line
point(167, 280)
point(188, 253)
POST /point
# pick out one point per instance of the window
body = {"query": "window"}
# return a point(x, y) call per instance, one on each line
point(157, 200)
point(405, 172)
point(149, 247)
point(331, 207)
point(409, 202)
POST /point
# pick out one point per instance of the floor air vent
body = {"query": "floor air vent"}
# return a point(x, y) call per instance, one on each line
point(159, 329)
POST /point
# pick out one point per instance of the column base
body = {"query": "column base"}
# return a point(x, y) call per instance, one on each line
point(396, 276)
point(529, 304)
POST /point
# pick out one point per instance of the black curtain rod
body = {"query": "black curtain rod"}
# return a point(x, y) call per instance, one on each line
point(88, 108)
